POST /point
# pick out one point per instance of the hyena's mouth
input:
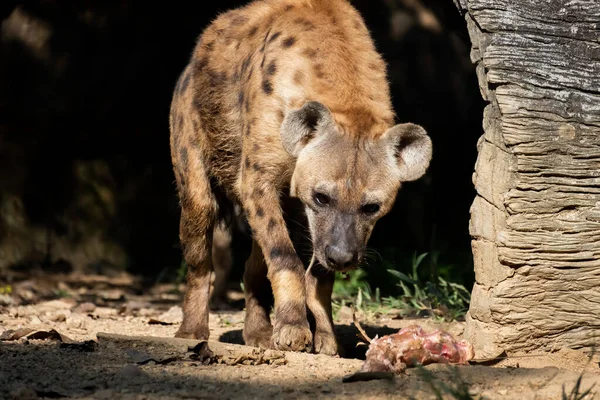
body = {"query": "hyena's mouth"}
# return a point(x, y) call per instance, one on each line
point(322, 260)
point(346, 270)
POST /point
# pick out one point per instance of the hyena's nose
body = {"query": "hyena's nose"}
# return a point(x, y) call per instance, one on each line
point(338, 257)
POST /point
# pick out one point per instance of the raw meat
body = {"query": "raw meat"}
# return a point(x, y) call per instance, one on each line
point(413, 346)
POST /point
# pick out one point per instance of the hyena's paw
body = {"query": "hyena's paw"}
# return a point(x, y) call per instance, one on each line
point(326, 343)
point(292, 337)
point(259, 338)
point(187, 331)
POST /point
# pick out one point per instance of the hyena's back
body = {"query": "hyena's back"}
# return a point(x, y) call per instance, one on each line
point(253, 64)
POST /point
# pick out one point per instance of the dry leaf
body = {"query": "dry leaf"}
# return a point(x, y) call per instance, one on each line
point(29, 333)
point(257, 357)
point(52, 334)
point(201, 352)
point(13, 334)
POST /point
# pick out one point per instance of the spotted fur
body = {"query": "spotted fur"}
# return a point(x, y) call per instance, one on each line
point(282, 100)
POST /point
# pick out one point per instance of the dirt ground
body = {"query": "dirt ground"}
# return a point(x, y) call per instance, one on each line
point(95, 337)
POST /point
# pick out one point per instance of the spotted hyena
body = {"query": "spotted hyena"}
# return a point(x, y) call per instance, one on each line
point(284, 112)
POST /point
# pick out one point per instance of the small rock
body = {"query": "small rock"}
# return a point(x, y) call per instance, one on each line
point(26, 295)
point(173, 316)
point(132, 307)
point(326, 388)
point(62, 304)
point(112, 295)
point(85, 308)
point(6, 300)
point(76, 321)
point(64, 287)
point(57, 316)
point(245, 375)
point(147, 312)
point(130, 371)
point(35, 320)
point(14, 312)
point(502, 392)
point(104, 312)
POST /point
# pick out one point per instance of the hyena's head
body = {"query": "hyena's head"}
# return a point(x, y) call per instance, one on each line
point(347, 184)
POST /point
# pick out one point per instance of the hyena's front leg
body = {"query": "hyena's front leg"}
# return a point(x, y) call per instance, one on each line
point(284, 268)
point(319, 286)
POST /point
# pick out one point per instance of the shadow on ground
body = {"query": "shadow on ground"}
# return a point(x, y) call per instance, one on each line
point(346, 334)
point(42, 370)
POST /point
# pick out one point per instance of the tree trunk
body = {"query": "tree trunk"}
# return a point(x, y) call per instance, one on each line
point(535, 222)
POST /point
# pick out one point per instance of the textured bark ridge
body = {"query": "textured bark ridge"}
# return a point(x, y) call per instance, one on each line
point(535, 223)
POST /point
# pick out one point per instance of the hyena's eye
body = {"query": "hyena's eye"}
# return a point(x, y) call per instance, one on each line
point(321, 199)
point(370, 208)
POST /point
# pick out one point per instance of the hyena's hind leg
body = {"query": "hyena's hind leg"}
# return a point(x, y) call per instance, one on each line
point(259, 300)
point(198, 213)
point(222, 262)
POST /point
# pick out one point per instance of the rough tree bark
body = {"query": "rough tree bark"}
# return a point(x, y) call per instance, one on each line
point(535, 223)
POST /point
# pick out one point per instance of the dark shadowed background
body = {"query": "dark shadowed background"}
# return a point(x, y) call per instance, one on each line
point(85, 173)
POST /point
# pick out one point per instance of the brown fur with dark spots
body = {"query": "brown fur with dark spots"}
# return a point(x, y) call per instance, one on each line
point(289, 42)
point(279, 104)
point(274, 37)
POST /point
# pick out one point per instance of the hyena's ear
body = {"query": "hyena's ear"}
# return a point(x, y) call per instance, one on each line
point(300, 126)
point(411, 147)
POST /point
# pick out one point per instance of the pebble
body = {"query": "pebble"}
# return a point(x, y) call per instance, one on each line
point(105, 312)
point(85, 308)
point(130, 371)
point(76, 321)
point(173, 316)
point(6, 300)
point(55, 305)
point(112, 295)
point(57, 316)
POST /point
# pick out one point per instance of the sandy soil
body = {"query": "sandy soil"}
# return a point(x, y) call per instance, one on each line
point(138, 364)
